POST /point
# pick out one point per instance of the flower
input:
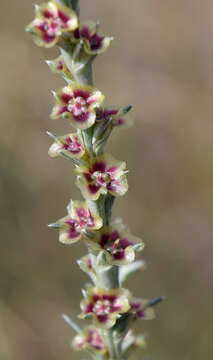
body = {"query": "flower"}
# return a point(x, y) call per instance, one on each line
point(119, 116)
point(91, 338)
point(105, 306)
point(118, 243)
point(51, 20)
point(142, 310)
point(58, 66)
point(102, 175)
point(69, 145)
point(79, 220)
point(94, 43)
point(77, 103)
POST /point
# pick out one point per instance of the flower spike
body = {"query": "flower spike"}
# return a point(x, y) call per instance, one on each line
point(101, 179)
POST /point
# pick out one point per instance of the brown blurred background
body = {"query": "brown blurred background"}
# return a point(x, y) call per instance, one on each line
point(161, 62)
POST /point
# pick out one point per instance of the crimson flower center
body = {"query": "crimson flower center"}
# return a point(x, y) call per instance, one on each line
point(77, 106)
point(52, 27)
point(82, 222)
point(95, 340)
point(72, 145)
point(101, 178)
point(102, 307)
point(115, 246)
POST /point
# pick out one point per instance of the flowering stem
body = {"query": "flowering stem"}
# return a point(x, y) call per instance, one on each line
point(108, 278)
point(100, 177)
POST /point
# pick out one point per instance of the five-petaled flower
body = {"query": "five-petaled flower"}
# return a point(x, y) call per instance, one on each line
point(94, 43)
point(105, 306)
point(51, 20)
point(90, 339)
point(102, 175)
point(69, 145)
point(141, 309)
point(77, 103)
point(118, 243)
point(77, 223)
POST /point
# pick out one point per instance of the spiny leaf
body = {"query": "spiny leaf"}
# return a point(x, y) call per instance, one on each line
point(127, 270)
point(71, 323)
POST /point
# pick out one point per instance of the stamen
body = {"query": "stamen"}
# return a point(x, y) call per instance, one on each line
point(102, 307)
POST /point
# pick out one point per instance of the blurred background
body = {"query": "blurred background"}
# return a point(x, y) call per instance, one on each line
point(161, 62)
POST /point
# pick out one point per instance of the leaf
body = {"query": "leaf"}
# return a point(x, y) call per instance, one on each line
point(71, 323)
point(138, 247)
point(54, 226)
point(84, 293)
point(127, 270)
point(77, 61)
point(101, 129)
point(156, 301)
point(125, 110)
point(101, 259)
point(52, 136)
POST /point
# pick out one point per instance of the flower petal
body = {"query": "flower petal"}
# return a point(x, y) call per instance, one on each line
point(91, 192)
point(68, 238)
point(83, 121)
point(55, 149)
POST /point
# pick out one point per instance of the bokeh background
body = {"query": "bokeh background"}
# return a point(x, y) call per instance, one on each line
point(161, 62)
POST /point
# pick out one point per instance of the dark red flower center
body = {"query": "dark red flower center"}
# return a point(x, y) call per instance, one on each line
point(73, 146)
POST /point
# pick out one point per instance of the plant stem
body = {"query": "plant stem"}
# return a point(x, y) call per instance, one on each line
point(109, 277)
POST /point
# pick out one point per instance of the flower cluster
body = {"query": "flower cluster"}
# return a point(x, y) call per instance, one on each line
point(99, 176)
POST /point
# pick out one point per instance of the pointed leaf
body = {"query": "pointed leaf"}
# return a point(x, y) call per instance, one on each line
point(127, 270)
point(101, 259)
point(156, 301)
point(54, 226)
point(71, 323)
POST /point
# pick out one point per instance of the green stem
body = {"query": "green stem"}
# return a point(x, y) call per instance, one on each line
point(111, 345)
point(108, 278)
